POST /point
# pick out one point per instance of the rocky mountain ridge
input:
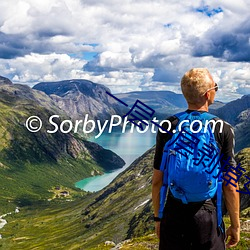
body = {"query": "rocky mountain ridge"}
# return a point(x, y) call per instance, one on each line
point(164, 103)
point(4, 80)
point(242, 130)
point(80, 97)
point(237, 114)
point(232, 110)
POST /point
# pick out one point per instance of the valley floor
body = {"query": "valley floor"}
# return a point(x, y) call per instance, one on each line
point(57, 225)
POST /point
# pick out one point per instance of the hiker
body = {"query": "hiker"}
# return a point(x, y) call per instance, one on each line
point(188, 222)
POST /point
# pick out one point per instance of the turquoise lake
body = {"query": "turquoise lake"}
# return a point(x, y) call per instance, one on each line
point(129, 146)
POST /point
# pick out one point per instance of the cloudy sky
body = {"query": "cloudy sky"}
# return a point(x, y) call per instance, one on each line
point(127, 45)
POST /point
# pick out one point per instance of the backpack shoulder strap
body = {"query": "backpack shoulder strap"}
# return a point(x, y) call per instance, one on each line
point(209, 116)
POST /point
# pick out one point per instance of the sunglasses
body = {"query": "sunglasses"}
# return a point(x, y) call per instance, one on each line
point(216, 87)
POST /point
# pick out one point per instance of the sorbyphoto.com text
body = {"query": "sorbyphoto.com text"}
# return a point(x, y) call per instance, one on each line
point(119, 123)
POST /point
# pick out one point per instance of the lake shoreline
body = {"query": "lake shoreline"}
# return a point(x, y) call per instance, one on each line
point(129, 146)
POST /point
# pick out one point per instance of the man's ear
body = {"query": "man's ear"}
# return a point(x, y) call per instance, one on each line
point(207, 95)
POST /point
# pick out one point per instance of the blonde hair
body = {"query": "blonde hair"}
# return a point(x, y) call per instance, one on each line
point(195, 83)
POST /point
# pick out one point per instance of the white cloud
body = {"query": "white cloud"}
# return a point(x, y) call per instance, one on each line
point(16, 18)
point(141, 45)
point(117, 81)
point(35, 68)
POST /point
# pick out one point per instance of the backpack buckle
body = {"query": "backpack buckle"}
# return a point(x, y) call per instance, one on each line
point(172, 152)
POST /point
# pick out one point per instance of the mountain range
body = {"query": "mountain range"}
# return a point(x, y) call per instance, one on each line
point(165, 103)
point(80, 97)
point(32, 163)
point(35, 163)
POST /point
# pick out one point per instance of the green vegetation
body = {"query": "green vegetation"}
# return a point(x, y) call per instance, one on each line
point(38, 172)
point(57, 225)
point(49, 225)
point(84, 222)
point(32, 184)
point(31, 164)
point(150, 242)
point(244, 235)
point(113, 214)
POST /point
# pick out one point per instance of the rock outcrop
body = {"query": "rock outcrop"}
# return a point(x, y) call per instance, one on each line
point(4, 80)
point(80, 97)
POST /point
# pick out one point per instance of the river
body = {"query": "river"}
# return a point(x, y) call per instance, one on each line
point(128, 146)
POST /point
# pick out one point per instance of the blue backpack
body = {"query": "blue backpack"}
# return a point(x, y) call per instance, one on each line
point(191, 161)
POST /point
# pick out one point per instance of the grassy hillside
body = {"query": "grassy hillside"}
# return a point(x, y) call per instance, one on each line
point(31, 164)
point(54, 225)
point(123, 210)
point(58, 226)
point(244, 158)
point(84, 222)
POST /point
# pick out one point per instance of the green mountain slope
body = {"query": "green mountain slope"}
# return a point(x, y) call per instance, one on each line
point(244, 158)
point(106, 215)
point(130, 194)
point(31, 164)
point(123, 210)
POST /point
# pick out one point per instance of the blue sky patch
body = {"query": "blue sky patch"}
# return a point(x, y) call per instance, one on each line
point(206, 10)
point(86, 55)
point(89, 55)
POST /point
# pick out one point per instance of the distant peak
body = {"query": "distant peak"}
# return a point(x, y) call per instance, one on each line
point(61, 88)
point(4, 80)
